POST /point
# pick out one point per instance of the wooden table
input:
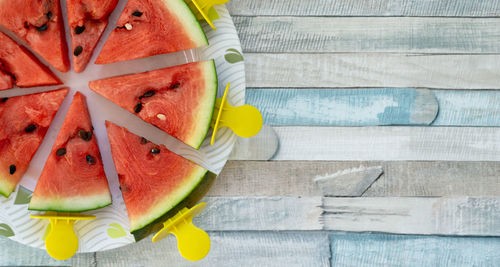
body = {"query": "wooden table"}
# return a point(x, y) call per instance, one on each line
point(427, 192)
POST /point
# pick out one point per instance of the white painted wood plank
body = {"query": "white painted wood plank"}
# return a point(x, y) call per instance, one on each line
point(372, 70)
point(260, 213)
point(400, 178)
point(424, 8)
point(443, 216)
point(389, 143)
point(15, 254)
point(413, 251)
point(349, 182)
point(229, 249)
point(368, 34)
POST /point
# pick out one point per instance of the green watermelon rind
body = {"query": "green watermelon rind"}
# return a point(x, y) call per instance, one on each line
point(211, 82)
point(189, 200)
point(102, 201)
point(185, 14)
point(4, 185)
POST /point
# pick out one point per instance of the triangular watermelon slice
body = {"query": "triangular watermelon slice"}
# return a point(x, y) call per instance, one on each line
point(18, 66)
point(73, 178)
point(87, 20)
point(151, 27)
point(179, 100)
point(24, 121)
point(40, 25)
point(152, 179)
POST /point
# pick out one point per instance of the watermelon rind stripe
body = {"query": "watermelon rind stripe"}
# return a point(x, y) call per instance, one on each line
point(189, 21)
point(206, 109)
point(5, 187)
point(71, 204)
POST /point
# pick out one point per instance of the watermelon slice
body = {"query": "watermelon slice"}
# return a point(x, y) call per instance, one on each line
point(179, 100)
point(153, 180)
point(87, 20)
point(40, 25)
point(18, 66)
point(151, 27)
point(73, 178)
point(24, 120)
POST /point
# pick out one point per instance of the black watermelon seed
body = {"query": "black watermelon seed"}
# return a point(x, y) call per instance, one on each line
point(144, 140)
point(138, 108)
point(42, 28)
point(90, 159)
point(12, 169)
point(79, 29)
point(149, 93)
point(30, 128)
point(137, 13)
point(78, 50)
point(85, 135)
point(49, 15)
point(4, 99)
point(175, 85)
point(155, 151)
point(61, 152)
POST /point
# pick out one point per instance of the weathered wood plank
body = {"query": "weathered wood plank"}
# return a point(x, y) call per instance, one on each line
point(260, 214)
point(400, 178)
point(348, 183)
point(443, 216)
point(388, 143)
point(372, 70)
point(405, 215)
point(413, 251)
point(15, 254)
point(376, 106)
point(424, 8)
point(358, 34)
point(229, 249)
point(345, 107)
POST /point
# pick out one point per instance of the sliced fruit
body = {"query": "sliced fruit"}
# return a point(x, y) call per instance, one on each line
point(18, 66)
point(40, 25)
point(24, 121)
point(87, 20)
point(151, 27)
point(73, 178)
point(152, 179)
point(179, 100)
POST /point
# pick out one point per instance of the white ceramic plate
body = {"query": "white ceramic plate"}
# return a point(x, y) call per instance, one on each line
point(110, 228)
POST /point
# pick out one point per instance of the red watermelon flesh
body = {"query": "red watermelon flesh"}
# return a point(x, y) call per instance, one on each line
point(87, 20)
point(18, 66)
point(179, 100)
point(40, 24)
point(151, 27)
point(24, 121)
point(73, 178)
point(152, 179)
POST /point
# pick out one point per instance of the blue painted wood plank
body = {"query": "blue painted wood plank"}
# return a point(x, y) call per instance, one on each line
point(409, 250)
point(344, 107)
point(376, 106)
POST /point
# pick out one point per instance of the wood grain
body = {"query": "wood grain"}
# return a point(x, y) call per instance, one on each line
point(344, 107)
point(368, 34)
point(413, 251)
point(389, 143)
point(443, 216)
point(229, 249)
point(400, 178)
point(287, 70)
point(425, 8)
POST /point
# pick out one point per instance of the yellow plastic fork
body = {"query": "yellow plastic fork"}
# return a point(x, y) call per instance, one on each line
point(204, 6)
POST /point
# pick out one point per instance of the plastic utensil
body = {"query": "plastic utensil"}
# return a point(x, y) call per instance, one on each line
point(192, 242)
point(245, 121)
point(203, 7)
point(61, 242)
